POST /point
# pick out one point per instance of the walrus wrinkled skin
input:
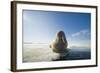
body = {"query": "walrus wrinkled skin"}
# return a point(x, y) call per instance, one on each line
point(59, 45)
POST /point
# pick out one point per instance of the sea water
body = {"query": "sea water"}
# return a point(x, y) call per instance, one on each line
point(42, 52)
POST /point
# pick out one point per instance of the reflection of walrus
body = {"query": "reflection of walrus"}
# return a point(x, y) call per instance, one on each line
point(60, 43)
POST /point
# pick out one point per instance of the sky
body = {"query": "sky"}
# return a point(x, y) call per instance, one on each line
point(42, 26)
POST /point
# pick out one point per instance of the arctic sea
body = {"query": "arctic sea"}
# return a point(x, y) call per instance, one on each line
point(42, 52)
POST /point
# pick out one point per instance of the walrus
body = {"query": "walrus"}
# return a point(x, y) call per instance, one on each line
point(60, 44)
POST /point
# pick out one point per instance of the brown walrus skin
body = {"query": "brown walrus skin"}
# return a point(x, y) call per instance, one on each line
point(60, 43)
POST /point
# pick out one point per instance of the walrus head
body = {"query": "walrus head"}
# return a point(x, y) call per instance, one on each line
point(61, 36)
